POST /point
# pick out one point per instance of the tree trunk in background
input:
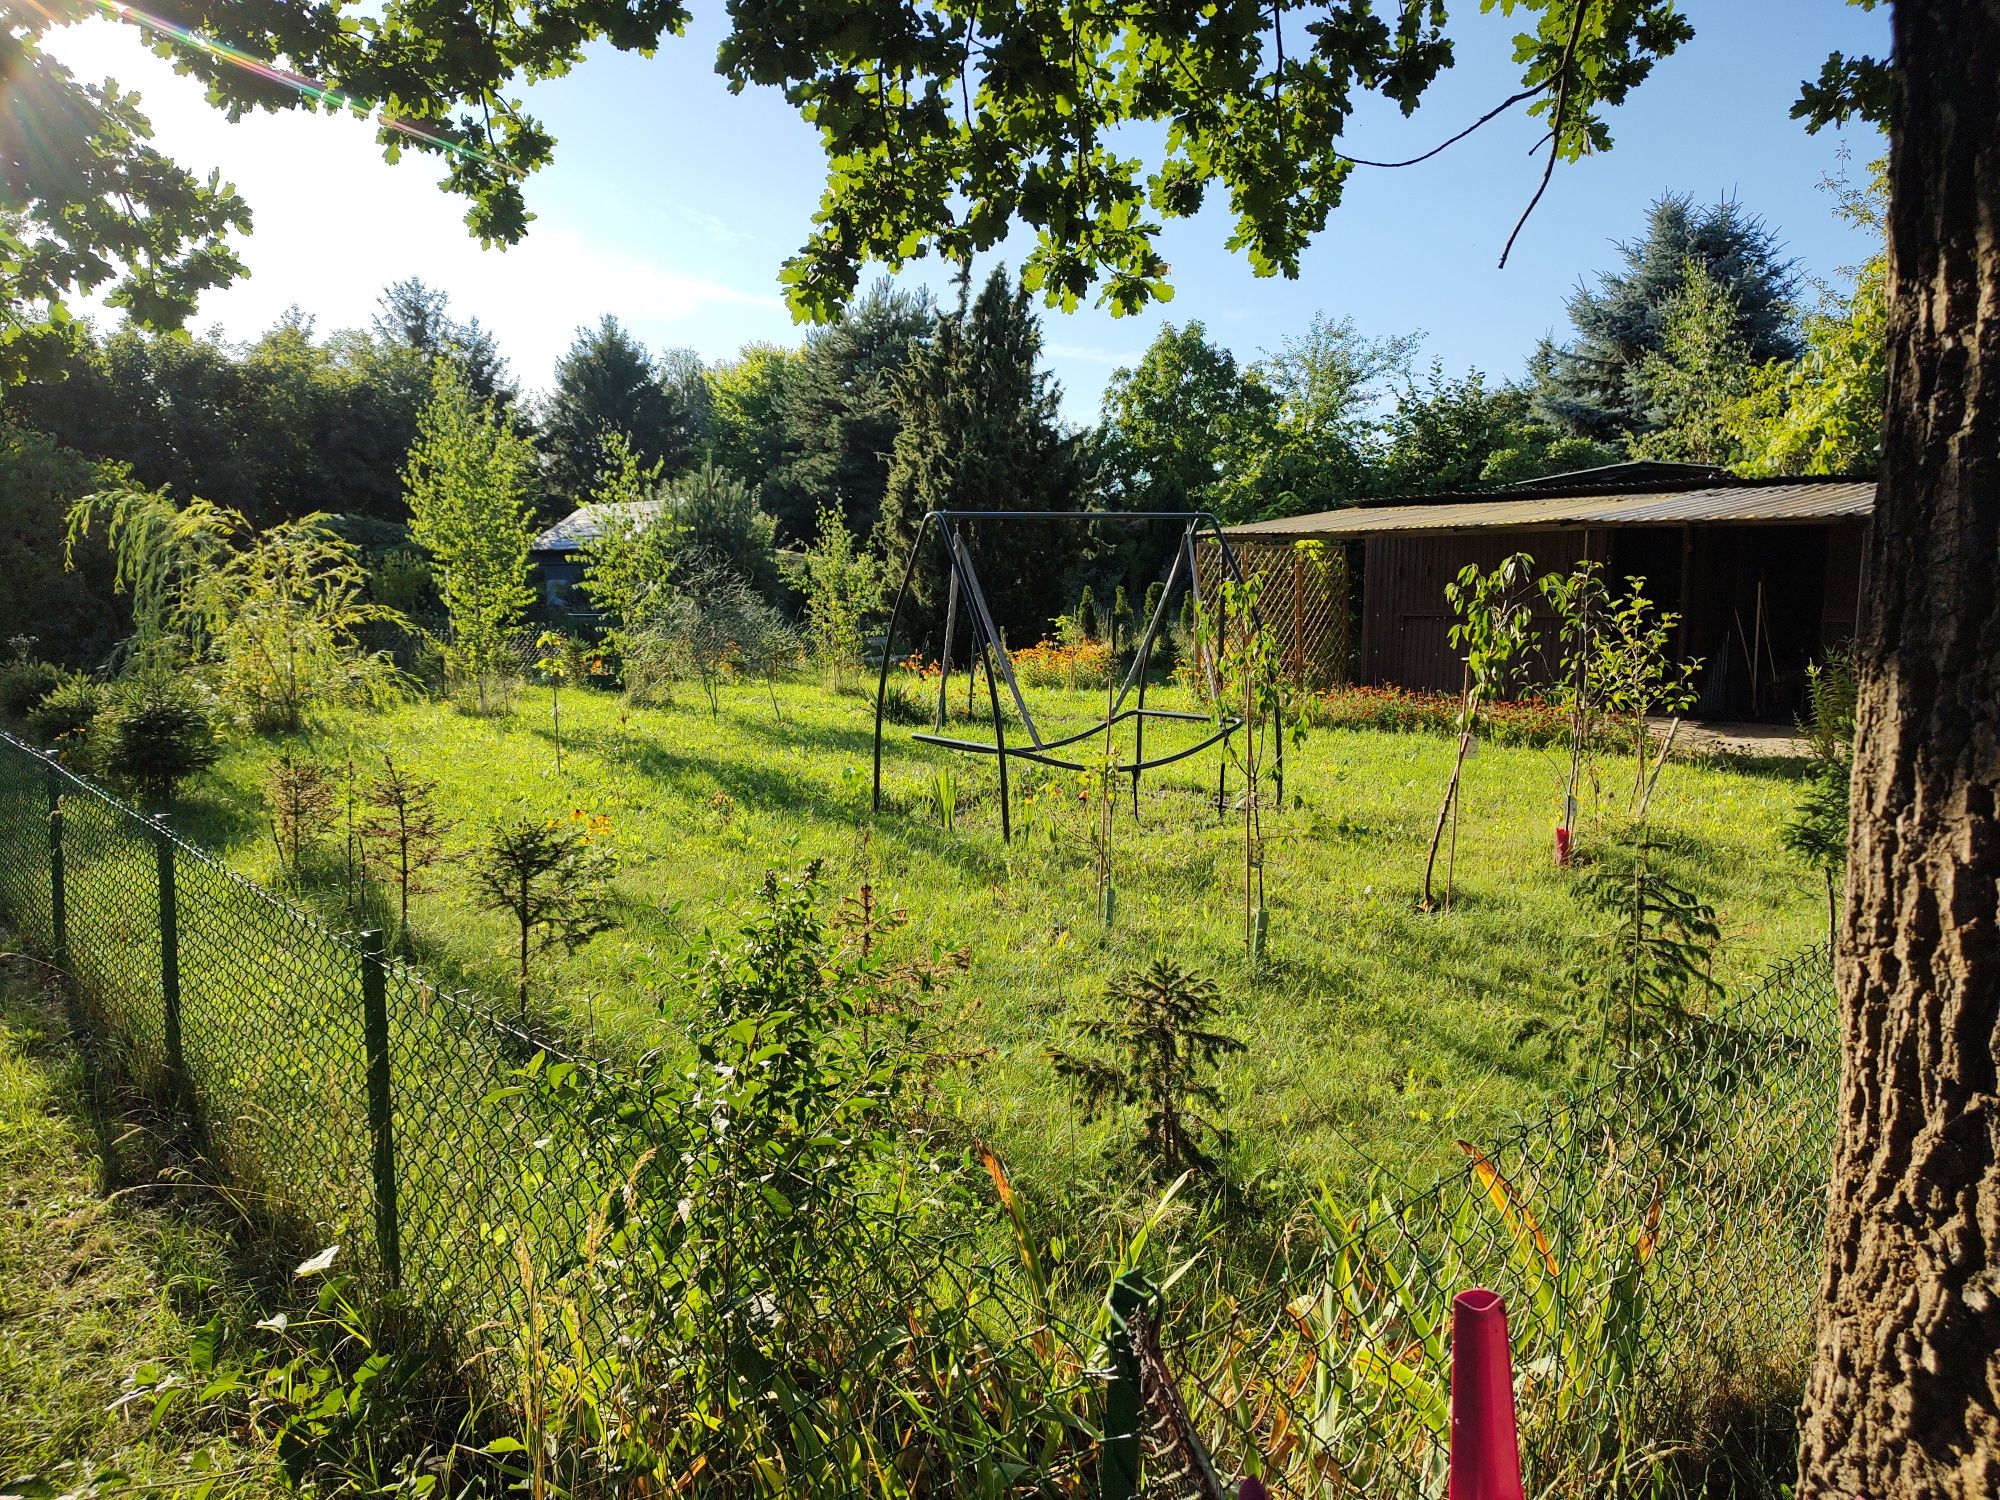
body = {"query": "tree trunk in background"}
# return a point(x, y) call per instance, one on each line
point(1904, 1397)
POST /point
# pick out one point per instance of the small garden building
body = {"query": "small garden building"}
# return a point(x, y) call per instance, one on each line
point(557, 555)
point(1765, 574)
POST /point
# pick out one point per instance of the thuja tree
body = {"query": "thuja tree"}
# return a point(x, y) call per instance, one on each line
point(467, 485)
point(552, 878)
point(1495, 630)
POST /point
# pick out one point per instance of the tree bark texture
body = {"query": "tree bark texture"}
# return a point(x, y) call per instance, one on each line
point(1904, 1395)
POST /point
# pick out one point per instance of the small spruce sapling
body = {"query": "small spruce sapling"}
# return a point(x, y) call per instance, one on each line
point(407, 833)
point(552, 876)
point(158, 732)
point(1496, 630)
point(1654, 963)
point(1155, 1050)
point(298, 801)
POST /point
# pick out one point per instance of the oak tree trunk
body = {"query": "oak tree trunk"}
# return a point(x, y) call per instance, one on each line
point(1904, 1396)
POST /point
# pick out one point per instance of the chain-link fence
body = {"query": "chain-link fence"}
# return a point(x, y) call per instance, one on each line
point(658, 1289)
point(1657, 1239)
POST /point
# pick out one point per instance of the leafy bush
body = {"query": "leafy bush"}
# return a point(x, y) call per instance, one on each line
point(158, 731)
point(24, 682)
point(64, 718)
point(843, 586)
point(711, 626)
point(815, 1311)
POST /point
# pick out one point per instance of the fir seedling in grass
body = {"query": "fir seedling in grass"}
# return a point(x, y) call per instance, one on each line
point(1657, 961)
point(1154, 1050)
point(298, 802)
point(158, 732)
point(408, 833)
point(552, 877)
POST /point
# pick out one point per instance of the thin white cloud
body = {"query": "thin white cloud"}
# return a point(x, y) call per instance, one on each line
point(1090, 355)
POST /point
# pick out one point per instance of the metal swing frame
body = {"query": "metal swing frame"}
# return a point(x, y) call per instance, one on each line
point(964, 588)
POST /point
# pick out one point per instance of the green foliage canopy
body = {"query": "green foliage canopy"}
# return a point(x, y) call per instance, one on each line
point(467, 481)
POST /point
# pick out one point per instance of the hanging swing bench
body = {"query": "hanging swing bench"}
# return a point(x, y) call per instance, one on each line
point(966, 597)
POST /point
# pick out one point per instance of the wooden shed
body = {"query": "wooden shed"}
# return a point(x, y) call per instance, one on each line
point(1765, 575)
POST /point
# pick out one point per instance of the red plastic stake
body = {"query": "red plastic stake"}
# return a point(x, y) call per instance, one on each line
point(1485, 1449)
point(1562, 845)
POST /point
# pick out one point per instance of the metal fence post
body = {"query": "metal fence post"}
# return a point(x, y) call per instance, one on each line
point(375, 1039)
point(1118, 1458)
point(170, 965)
point(58, 902)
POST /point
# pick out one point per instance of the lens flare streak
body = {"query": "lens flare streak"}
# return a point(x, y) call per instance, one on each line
point(317, 92)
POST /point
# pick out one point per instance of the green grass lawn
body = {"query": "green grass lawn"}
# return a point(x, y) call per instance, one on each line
point(1372, 1029)
point(95, 1293)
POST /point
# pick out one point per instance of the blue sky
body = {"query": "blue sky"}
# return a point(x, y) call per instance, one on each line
point(673, 202)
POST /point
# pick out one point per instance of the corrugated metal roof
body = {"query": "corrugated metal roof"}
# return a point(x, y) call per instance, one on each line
point(585, 524)
point(1789, 501)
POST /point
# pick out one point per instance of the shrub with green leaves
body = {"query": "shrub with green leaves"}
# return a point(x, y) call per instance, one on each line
point(843, 586)
point(63, 720)
point(467, 485)
point(710, 626)
point(25, 680)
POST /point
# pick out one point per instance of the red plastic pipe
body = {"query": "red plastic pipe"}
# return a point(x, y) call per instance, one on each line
point(1485, 1448)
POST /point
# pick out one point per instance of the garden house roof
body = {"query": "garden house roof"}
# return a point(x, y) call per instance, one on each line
point(1768, 502)
point(586, 524)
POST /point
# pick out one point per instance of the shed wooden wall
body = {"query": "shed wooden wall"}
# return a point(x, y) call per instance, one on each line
point(1406, 621)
